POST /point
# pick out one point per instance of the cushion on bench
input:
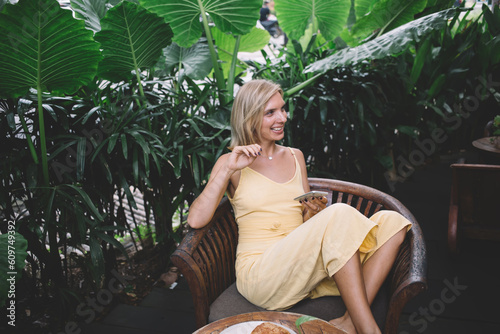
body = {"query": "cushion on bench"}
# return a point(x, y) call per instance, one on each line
point(231, 302)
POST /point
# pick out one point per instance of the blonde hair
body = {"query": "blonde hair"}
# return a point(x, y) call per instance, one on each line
point(248, 108)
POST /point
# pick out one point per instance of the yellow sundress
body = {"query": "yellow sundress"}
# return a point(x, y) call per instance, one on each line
point(279, 259)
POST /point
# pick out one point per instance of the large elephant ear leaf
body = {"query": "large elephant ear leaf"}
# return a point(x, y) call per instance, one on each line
point(44, 47)
point(194, 60)
point(236, 16)
point(387, 15)
point(131, 39)
point(390, 43)
point(330, 15)
point(362, 7)
point(92, 11)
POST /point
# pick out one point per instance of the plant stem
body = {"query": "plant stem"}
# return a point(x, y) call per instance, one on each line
point(303, 85)
point(230, 79)
point(41, 121)
point(28, 138)
point(219, 76)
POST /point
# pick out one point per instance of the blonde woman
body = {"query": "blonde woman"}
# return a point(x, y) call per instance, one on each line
point(290, 250)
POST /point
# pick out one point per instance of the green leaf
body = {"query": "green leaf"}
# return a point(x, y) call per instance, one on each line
point(236, 16)
point(42, 45)
point(254, 41)
point(195, 60)
point(387, 15)
point(110, 240)
point(92, 11)
point(97, 258)
point(436, 86)
point(86, 199)
point(390, 43)
point(13, 248)
point(81, 153)
point(131, 39)
point(419, 62)
point(303, 319)
point(362, 7)
point(328, 16)
point(411, 131)
point(112, 142)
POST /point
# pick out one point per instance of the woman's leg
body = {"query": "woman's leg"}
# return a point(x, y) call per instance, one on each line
point(377, 267)
point(372, 275)
point(350, 281)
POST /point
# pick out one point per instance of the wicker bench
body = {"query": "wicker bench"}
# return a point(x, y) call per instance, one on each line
point(206, 258)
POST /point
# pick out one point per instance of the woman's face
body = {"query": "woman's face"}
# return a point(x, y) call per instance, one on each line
point(274, 119)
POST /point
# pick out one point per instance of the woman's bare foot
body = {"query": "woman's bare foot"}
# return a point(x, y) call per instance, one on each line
point(344, 323)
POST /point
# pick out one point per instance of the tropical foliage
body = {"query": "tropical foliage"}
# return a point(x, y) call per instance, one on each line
point(125, 100)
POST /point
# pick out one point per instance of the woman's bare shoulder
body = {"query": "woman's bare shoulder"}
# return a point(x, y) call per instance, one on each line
point(297, 152)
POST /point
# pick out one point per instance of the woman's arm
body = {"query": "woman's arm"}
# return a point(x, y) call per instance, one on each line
point(313, 206)
point(203, 208)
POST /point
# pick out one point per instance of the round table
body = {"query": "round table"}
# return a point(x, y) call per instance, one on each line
point(490, 151)
point(486, 144)
point(286, 319)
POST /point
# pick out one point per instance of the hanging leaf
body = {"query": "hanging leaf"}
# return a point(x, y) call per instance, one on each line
point(236, 16)
point(295, 15)
point(43, 46)
point(92, 11)
point(194, 60)
point(390, 43)
point(131, 39)
point(387, 15)
point(419, 61)
point(96, 258)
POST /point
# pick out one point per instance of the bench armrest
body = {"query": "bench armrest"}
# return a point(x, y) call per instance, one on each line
point(206, 257)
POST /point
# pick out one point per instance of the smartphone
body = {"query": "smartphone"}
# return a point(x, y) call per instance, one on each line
point(310, 194)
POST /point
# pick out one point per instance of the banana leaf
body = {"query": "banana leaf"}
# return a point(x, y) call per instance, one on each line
point(388, 44)
point(328, 16)
point(236, 16)
point(387, 15)
point(132, 39)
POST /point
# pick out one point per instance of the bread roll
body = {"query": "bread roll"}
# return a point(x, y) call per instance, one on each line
point(269, 328)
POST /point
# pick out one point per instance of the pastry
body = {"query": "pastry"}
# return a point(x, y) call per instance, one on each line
point(269, 328)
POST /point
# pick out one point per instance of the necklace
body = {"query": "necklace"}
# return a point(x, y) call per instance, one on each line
point(270, 157)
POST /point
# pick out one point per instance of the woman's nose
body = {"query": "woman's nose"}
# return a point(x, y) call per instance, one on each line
point(283, 116)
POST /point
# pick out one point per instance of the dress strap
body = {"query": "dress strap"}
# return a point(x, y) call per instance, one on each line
point(291, 150)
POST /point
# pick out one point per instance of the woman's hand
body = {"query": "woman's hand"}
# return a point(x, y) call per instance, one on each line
point(242, 156)
point(313, 206)
point(204, 206)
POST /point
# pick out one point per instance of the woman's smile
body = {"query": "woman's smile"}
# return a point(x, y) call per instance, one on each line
point(274, 119)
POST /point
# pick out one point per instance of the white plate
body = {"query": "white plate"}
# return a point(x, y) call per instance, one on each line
point(248, 327)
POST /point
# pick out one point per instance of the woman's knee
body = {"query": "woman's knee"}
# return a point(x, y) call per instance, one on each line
point(343, 209)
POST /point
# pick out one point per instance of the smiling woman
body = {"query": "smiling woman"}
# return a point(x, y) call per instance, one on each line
point(328, 250)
